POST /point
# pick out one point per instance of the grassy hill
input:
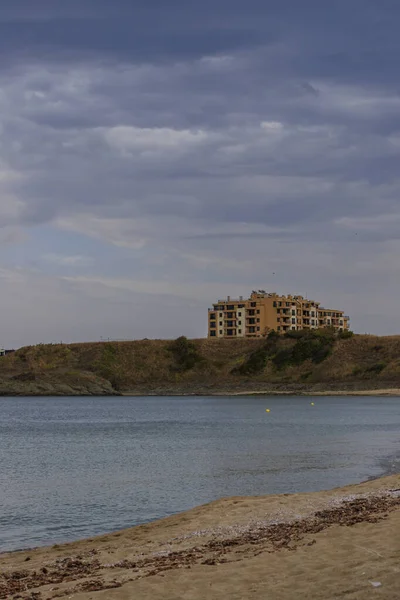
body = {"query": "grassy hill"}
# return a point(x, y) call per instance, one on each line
point(315, 361)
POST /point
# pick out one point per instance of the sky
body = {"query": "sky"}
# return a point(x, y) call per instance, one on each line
point(158, 156)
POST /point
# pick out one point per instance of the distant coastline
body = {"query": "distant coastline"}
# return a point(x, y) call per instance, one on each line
point(319, 365)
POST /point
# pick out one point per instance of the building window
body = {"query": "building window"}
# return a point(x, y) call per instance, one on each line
point(220, 323)
point(293, 328)
point(220, 332)
point(213, 333)
point(293, 321)
point(258, 329)
point(240, 305)
point(230, 307)
point(279, 328)
point(239, 314)
point(274, 304)
point(212, 317)
point(239, 322)
point(213, 325)
point(230, 324)
point(253, 304)
point(252, 321)
point(221, 314)
point(293, 312)
point(258, 320)
point(229, 315)
point(258, 312)
point(251, 312)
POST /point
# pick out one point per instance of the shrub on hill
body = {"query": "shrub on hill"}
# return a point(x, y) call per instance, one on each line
point(314, 345)
point(185, 354)
point(257, 360)
point(345, 335)
point(108, 365)
point(376, 368)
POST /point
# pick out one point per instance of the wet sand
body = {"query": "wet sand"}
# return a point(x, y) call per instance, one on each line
point(343, 543)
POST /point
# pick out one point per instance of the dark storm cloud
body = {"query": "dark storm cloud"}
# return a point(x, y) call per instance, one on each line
point(351, 41)
point(208, 133)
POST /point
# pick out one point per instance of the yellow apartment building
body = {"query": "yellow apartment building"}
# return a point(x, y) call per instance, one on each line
point(264, 312)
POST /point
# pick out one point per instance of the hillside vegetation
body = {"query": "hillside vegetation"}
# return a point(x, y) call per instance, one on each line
point(297, 361)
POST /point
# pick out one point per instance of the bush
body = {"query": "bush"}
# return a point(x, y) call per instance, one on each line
point(258, 359)
point(305, 376)
point(357, 371)
point(273, 335)
point(108, 366)
point(314, 345)
point(312, 349)
point(283, 358)
point(311, 345)
point(296, 334)
point(185, 354)
point(326, 333)
point(254, 364)
point(345, 335)
point(376, 368)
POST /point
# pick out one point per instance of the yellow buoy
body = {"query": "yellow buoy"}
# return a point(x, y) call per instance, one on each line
point(267, 410)
point(312, 403)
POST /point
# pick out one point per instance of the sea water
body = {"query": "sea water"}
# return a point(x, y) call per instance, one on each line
point(77, 467)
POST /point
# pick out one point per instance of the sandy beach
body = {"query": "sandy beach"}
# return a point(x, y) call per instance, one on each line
point(273, 391)
point(369, 392)
point(343, 543)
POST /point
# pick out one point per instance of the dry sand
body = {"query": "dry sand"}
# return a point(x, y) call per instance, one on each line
point(339, 544)
point(369, 392)
point(395, 392)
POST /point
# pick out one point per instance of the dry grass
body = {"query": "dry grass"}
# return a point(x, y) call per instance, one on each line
point(148, 366)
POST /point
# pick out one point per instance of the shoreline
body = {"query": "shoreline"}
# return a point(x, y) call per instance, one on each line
point(215, 391)
point(320, 539)
point(391, 392)
point(381, 392)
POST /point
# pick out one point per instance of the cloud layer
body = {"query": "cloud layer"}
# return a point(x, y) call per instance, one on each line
point(154, 160)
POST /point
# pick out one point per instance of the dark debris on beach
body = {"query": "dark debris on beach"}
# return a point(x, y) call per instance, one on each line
point(86, 573)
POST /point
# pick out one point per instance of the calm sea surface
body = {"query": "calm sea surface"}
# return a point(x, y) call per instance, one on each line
point(74, 467)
